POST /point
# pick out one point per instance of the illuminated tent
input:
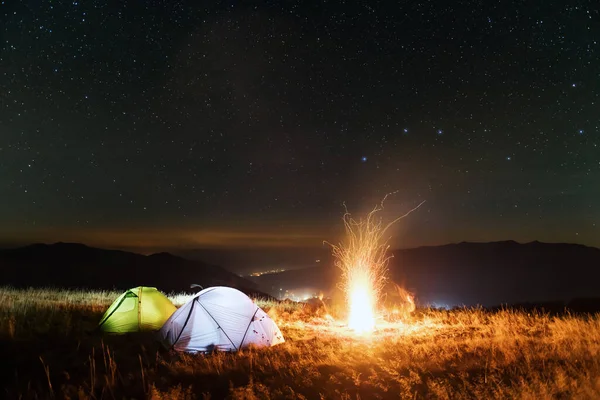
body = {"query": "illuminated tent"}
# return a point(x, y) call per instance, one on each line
point(219, 318)
point(138, 309)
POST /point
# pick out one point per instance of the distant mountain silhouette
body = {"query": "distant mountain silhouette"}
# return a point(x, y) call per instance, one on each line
point(247, 260)
point(470, 274)
point(73, 265)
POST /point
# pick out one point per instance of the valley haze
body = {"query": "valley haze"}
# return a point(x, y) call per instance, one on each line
point(462, 274)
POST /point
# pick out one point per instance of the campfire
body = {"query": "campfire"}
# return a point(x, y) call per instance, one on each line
point(363, 259)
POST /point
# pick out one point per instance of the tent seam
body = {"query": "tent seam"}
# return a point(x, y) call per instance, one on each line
point(140, 308)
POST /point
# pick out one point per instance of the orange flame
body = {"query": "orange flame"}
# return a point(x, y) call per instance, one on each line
point(362, 309)
point(363, 261)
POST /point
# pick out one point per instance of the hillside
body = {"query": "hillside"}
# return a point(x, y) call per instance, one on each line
point(49, 351)
point(476, 273)
point(71, 265)
point(245, 261)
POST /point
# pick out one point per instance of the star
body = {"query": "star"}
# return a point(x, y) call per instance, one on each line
point(195, 131)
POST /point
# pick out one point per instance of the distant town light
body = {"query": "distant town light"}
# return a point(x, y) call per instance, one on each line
point(271, 271)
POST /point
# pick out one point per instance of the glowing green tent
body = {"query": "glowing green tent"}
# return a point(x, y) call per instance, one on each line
point(138, 309)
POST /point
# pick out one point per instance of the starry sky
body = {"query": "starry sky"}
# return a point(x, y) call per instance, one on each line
point(171, 124)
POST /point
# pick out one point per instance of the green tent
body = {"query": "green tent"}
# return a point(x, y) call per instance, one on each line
point(138, 309)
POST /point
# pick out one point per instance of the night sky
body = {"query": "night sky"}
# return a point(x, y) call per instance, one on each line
point(181, 124)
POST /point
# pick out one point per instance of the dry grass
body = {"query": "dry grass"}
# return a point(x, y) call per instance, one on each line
point(48, 352)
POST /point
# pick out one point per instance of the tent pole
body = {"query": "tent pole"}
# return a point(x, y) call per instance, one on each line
point(248, 327)
point(230, 341)
point(116, 308)
point(185, 323)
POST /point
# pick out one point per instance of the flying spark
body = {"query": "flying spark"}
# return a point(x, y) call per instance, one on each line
point(363, 261)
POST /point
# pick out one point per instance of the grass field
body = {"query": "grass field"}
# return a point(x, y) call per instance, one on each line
point(47, 352)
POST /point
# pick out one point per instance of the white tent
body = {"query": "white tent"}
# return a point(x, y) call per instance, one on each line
point(219, 318)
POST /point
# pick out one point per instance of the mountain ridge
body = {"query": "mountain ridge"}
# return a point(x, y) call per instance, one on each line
point(474, 273)
point(76, 265)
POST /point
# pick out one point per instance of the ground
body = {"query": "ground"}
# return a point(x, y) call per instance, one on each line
point(49, 350)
